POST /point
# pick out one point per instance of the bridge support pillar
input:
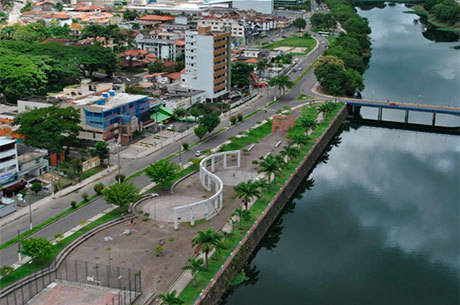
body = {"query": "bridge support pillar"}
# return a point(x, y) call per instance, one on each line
point(433, 120)
point(379, 116)
point(406, 117)
point(355, 111)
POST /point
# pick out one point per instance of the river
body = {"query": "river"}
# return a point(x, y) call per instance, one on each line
point(380, 225)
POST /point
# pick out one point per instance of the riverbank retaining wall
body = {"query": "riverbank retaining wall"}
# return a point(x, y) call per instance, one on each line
point(222, 280)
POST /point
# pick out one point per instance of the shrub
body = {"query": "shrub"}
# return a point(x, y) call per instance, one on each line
point(58, 236)
point(99, 188)
point(159, 250)
point(240, 117)
point(37, 248)
point(233, 120)
point(85, 197)
point(6, 270)
point(73, 204)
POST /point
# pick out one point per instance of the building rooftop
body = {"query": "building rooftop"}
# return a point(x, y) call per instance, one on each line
point(111, 102)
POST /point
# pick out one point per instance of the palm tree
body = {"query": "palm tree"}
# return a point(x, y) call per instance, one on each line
point(208, 240)
point(242, 215)
point(270, 166)
point(169, 298)
point(246, 191)
point(282, 82)
point(299, 139)
point(261, 66)
point(195, 265)
point(307, 123)
point(290, 151)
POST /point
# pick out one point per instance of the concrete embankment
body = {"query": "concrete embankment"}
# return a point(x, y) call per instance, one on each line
point(221, 281)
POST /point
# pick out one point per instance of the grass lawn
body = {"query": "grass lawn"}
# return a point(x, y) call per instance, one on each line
point(190, 293)
point(294, 41)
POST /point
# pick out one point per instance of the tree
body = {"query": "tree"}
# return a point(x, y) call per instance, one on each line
point(20, 77)
point(129, 15)
point(210, 121)
point(39, 249)
point(261, 64)
point(247, 191)
point(36, 187)
point(95, 57)
point(290, 151)
point(59, 6)
point(50, 128)
point(299, 139)
point(169, 298)
point(327, 108)
point(196, 112)
point(241, 74)
point(195, 265)
point(322, 21)
point(242, 215)
point(185, 146)
point(77, 167)
point(300, 23)
point(6, 270)
point(208, 240)
point(101, 149)
point(122, 194)
point(270, 166)
point(162, 172)
point(200, 131)
point(156, 67)
point(307, 123)
point(282, 82)
point(180, 112)
point(99, 188)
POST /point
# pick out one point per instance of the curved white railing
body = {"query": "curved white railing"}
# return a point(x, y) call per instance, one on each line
point(213, 204)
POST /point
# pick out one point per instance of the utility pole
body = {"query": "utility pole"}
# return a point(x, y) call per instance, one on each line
point(180, 155)
point(30, 215)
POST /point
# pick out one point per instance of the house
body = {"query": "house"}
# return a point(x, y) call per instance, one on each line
point(32, 162)
point(149, 20)
point(136, 58)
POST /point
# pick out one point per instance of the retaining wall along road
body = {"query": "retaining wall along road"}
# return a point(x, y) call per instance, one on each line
point(221, 281)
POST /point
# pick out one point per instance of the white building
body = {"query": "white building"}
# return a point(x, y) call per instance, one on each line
point(207, 62)
point(8, 162)
point(235, 26)
point(260, 6)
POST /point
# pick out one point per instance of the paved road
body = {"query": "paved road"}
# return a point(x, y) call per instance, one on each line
point(54, 207)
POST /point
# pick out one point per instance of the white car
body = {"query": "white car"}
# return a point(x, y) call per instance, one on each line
point(198, 153)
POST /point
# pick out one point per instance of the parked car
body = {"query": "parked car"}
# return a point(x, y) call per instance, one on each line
point(171, 127)
point(198, 153)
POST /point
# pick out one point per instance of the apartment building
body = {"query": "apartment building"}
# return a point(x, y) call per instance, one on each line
point(207, 62)
point(164, 45)
point(216, 23)
point(9, 167)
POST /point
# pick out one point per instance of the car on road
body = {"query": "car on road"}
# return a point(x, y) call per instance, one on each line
point(198, 153)
point(170, 127)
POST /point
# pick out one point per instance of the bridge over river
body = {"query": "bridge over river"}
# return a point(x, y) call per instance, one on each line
point(355, 105)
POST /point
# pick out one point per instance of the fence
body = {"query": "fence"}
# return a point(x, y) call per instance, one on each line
point(128, 281)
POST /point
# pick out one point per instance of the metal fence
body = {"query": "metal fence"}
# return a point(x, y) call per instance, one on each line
point(127, 280)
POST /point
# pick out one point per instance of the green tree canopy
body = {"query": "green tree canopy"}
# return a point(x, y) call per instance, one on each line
point(101, 149)
point(195, 265)
point(247, 191)
point(162, 172)
point(39, 249)
point(241, 74)
point(122, 194)
point(51, 128)
point(208, 240)
point(200, 131)
point(300, 23)
point(210, 121)
point(169, 298)
point(282, 82)
point(323, 21)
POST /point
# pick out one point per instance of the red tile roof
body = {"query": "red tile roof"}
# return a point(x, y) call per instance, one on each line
point(180, 43)
point(174, 75)
point(251, 61)
point(159, 18)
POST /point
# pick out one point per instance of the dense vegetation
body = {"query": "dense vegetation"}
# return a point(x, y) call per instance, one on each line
point(339, 71)
point(446, 11)
point(29, 67)
point(323, 21)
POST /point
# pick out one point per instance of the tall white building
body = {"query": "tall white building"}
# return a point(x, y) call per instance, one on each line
point(8, 162)
point(207, 62)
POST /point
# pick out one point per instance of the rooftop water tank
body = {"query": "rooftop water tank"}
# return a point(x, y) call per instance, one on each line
point(105, 95)
point(100, 102)
point(112, 92)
